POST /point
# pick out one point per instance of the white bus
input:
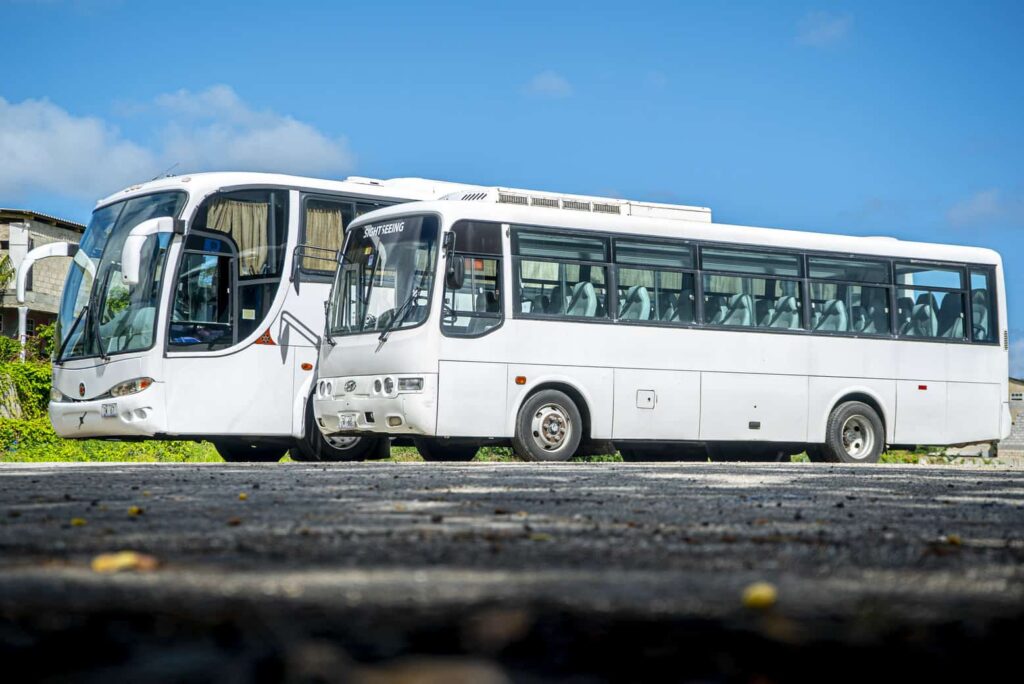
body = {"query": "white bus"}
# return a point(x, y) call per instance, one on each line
point(194, 306)
point(558, 327)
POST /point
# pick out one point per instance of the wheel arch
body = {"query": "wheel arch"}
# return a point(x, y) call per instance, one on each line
point(564, 386)
point(866, 396)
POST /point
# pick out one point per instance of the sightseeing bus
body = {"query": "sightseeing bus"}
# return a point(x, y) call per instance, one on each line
point(546, 323)
point(194, 307)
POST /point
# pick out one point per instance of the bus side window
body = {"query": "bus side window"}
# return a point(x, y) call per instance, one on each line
point(324, 224)
point(983, 312)
point(476, 308)
point(201, 315)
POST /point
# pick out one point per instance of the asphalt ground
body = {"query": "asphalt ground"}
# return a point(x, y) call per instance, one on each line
point(407, 572)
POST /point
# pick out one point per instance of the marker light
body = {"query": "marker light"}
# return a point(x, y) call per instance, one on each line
point(389, 385)
point(56, 394)
point(410, 384)
point(130, 387)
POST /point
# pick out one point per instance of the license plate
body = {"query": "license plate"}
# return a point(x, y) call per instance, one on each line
point(109, 410)
point(347, 421)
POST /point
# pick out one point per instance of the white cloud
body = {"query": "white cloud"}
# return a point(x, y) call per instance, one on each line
point(215, 129)
point(986, 207)
point(44, 148)
point(823, 29)
point(549, 84)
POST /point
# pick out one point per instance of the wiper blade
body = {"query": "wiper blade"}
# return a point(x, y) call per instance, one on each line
point(400, 314)
point(74, 326)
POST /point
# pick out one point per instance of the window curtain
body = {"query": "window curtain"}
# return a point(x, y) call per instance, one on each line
point(246, 223)
point(325, 230)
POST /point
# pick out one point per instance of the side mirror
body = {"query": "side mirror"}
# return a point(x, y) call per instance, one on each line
point(131, 252)
point(53, 249)
point(455, 273)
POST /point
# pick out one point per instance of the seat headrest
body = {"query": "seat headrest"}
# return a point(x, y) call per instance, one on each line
point(786, 304)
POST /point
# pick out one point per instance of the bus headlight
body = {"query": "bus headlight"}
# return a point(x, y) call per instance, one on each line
point(410, 384)
point(56, 394)
point(130, 387)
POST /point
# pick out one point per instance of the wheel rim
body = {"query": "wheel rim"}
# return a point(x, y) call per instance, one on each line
point(341, 442)
point(551, 427)
point(858, 437)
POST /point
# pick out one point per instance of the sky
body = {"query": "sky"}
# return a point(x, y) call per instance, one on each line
point(864, 118)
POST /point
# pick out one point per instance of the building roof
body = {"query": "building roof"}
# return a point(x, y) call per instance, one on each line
point(23, 214)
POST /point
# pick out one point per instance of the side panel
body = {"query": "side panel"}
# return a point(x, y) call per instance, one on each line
point(656, 405)
point(471, 399)
point(245, 393)
point(973, 412)
point(920, 412)
point(741, 406)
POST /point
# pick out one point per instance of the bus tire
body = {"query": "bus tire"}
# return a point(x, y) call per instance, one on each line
point(853, 434)
point(437, 449)
point(240, 452)
point(549, 427)
point(315, 446)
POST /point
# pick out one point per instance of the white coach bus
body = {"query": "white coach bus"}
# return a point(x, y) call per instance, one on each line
point(194, 306)
point(562, 326)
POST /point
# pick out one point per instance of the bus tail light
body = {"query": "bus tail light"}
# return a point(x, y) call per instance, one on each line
point(130, 387)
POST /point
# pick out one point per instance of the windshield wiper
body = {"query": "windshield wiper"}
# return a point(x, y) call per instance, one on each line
point(74, 326)
point(400, 314)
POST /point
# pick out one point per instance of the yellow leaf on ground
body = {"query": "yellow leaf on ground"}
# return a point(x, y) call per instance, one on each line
point(243, 496)
point(760, 595)
point(78, 522)
point(135, 510)
point(123, 561)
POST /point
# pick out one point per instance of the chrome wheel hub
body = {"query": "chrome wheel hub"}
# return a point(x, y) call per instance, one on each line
point(551, 427)
point(858, 437)
point(341, 442)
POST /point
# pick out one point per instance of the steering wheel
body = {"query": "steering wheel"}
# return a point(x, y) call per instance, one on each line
point(448, 314)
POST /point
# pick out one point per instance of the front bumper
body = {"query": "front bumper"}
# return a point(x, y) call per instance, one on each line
point(367, 411)
point(136, 415)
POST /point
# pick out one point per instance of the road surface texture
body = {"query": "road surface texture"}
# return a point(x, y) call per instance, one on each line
point(399, 572)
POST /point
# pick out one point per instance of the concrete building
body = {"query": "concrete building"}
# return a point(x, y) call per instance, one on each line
point(20, 231)
point(1015, 442)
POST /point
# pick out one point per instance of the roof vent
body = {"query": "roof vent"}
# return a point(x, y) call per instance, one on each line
point(602, 208)
point(551, 202)
point(509, 198)
point(575, 205)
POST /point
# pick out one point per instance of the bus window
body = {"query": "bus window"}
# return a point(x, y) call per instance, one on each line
point(983, 313)
point(255, 223)
point(324, 230)
point(475, 308)
point(845, 307)
point(201, 315)
point(549, 288)
point(651, 284)
point(930, 313)
point(733, 298)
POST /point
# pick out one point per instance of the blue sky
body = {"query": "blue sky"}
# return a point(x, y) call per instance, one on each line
point(902, 119)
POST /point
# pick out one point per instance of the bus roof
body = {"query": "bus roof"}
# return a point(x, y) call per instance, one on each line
point(453, 210)
point(205, 183)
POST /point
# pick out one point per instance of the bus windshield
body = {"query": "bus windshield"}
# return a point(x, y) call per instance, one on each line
point(116, 317)
point(385, 278)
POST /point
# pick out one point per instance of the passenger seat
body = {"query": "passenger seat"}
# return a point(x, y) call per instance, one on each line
point(738, 311)
point(951, 318)
point(636, 305)
point(833, 317)
point(786, 314)
point(979, 315)
point(583, 301)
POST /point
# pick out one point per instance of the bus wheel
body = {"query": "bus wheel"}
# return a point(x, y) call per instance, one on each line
point(434, 449)
point(240, 452)
point(854, 434)
point(316, 446)
point(549, 427)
